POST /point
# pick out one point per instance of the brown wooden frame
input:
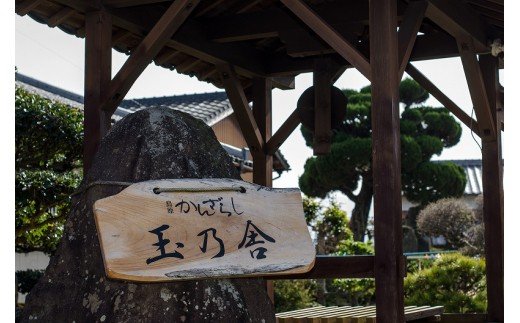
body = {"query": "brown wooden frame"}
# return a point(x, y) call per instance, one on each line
point(149, 47)
point(98, 62)
point(248, 73)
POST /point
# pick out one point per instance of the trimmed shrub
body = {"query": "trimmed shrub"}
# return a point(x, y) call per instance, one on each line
point(448, 217)
point(454, 281)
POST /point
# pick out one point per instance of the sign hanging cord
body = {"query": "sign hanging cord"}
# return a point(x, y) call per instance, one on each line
point(158, 190)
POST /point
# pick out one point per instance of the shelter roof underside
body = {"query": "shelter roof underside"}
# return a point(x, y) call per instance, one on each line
point(263, 38)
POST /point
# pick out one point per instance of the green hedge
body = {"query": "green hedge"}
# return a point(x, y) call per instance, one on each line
point(26, 279)
point(454, 281)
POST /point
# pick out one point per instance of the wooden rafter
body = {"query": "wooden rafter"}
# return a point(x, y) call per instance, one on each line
point(187, 65)
point(130, 3)
point(120, 36)
point(81, 5)
point(271, 22)
point(160, 34)
point(23, 8)
point(240, 106)
point(425, 47)
point(329, 35)
point(442, 98)
point(60, 16)
point(285, 130)
point(191, 39)
point(459, 20)
point(477, 89)
point(408, 30)
point(168, 55)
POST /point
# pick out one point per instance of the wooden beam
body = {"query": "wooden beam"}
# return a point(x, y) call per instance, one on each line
point(493, 190)
point(459, 20)
point(337, 267)
point(329, 35)
point(98, 67)
point(438, 45)
point(262, 162)
point(191, 39)
point(120, 36)
point(386, 162)
point(442, 98)
point(130, 3)
point(272, 22)
point(60, 16)
point(23, 8)
point(160, 34)
point(463, 318)
point(477, 89)
point(285, 130)
point(408, 30)
point(81, 5)
point(262, 112)
point(240, 105)
point(324, 72)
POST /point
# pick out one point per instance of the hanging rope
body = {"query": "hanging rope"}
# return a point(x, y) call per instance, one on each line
point(158, 190)
point(97, 183)
point(240, 189)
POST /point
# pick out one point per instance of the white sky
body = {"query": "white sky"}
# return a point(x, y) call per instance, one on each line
point(57, 58)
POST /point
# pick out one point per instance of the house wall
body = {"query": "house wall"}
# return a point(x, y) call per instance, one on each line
point(228, 131)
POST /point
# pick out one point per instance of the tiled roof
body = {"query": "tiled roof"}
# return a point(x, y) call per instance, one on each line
point(208, 107)
point(49, 91)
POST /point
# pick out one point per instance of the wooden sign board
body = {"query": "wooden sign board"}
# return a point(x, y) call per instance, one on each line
point(202, 228)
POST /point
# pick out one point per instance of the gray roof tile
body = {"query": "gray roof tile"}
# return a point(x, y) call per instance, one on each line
point(208, 107)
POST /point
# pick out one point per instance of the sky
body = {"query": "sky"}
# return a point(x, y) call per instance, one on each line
point(55, 57)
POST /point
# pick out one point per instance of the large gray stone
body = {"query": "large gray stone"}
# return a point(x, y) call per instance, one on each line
point(150, 144)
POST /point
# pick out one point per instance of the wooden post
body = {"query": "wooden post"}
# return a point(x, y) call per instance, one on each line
point(386, 161)
point(262, 161)
point(262, 107)
point(493, 197)
point(98, 68)
point(322, 107)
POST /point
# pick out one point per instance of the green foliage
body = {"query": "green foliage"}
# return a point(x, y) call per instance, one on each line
point(293, 294)
point(49, 139)
point(416, 265)
point(329, 223)
point(48, 134)
point(352, 247)
point(425, 131)
point(453, 281)
point(26, 279)
point(410, 93)
point(353, 291)
point(430, 182)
